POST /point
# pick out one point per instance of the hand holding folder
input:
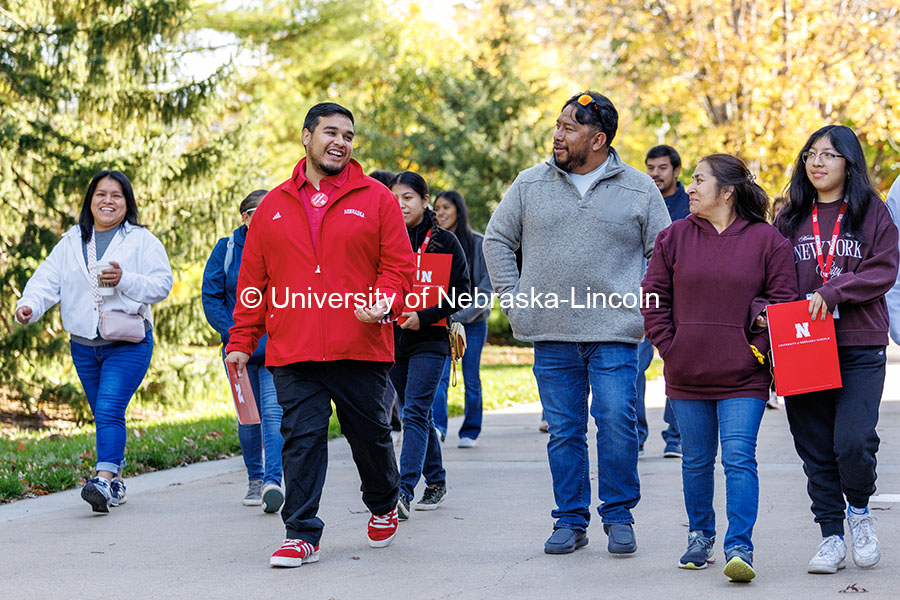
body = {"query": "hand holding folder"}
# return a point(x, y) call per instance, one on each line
point(804, 351)
point(242, 391)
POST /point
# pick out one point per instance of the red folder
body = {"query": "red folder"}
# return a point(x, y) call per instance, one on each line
point(804, 352)
point(244, 401)
point(432, 275)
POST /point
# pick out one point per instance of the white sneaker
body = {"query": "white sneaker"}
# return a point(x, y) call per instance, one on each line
point(829, 557)
point(466, 442)
point(863, 541)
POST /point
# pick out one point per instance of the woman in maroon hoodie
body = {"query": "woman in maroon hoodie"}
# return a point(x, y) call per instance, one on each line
point(845, 250)
point(714, 273)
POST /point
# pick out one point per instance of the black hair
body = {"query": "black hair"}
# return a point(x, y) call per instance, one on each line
point(252, 200)
point(413, 180)
point(324, 109)
point(600, 113)
point(86, 217)
point(463, 230)
point(382, 176)
point(858, 189)
point(750, 201)
point(663, 150)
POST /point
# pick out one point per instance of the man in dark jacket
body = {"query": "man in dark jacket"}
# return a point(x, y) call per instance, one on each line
point(663, 166)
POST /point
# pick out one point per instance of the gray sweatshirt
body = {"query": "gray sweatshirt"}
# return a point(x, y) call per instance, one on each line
point(582, 258)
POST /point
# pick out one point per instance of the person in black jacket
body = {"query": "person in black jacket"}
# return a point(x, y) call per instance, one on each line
point(420, 349)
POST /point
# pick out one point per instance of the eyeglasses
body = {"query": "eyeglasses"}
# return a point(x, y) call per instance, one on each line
point(250, 211)
point(826, 157)
point(588, 101)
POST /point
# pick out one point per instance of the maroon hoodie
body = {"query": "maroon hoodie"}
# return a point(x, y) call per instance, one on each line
point(711, 288)
point(864, 268)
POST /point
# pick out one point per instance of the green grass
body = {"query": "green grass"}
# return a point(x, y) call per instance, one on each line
point(34, 463)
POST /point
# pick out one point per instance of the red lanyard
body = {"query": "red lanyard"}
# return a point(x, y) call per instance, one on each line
point(826, 267)
point(425, 243)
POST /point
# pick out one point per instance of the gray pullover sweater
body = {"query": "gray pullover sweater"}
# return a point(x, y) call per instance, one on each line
point(582, 258)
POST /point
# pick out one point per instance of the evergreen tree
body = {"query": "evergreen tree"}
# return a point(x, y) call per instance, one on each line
point(98, 84)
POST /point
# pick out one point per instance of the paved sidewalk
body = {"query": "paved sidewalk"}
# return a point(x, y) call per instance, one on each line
point(185, 534)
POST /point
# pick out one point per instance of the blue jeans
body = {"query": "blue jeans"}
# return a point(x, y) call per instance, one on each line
point(268, 431)
point(415, 379)
point(565, 373)
point(670, 434)
point(703, 422)
point(110, 375)
point(476, 334)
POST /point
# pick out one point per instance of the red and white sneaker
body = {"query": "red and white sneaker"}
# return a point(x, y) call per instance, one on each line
point(382, 529)
point(294, 553)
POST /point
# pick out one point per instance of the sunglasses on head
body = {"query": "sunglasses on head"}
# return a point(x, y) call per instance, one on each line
point(588, 101)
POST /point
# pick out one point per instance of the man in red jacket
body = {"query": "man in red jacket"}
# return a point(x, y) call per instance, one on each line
point(326, 261)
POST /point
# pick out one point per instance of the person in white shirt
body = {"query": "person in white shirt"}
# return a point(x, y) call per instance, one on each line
point(105, 307)
point(893, 295)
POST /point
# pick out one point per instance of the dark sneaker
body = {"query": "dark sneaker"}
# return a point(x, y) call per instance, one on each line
point(117, 488)
point(739, 564)
point(403, 508)
point(382, 529)
point(254, 493)
point(565, 541)
point(699, 551)
point(621, 538)
point(672, 451)
point(433, 495)
point(98, 494)
point(294, 553)
point(272, 497)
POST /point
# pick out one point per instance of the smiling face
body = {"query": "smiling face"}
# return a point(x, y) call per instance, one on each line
point(708, 201)
point(108, 204)
point(446, 214)
point(412, 205)
point(329, 147)
point(574, 142)
point(827, 176)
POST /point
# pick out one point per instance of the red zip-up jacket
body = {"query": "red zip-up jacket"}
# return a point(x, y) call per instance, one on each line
point(363, 247)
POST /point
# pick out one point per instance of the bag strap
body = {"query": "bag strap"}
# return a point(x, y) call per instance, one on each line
point(229, 251)
point(92, 267)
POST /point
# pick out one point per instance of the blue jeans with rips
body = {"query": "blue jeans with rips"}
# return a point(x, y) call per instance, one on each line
point(416, 378)
point(476, 335)
point(703, 422)
point(566, 372)
point(670, 434)
point(110, 375)
point(267, 432)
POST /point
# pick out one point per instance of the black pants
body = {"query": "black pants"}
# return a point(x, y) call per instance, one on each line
point(392, 406)
point(305, 391)
point(834, 434)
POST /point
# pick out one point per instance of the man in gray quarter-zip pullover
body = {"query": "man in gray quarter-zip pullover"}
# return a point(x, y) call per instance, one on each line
point(584, 221)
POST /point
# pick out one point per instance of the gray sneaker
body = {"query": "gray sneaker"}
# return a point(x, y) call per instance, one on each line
point(863, 541)
point(117, 488)
point(829, 556)
point(699, 551)
point(272, 497)
point(403, 508)
point(254, 493)
point(98, 494)
point(432, 496)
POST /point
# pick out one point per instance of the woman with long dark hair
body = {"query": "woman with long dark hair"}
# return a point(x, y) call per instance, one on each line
point(845, 252)
point(714, 274)
point(420, 349)
point(105, 307)
point(452, 215)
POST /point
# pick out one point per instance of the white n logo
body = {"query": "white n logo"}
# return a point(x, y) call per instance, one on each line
point(802, 330)
point(426, 276)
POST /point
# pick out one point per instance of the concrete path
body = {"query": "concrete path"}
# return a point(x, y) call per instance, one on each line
point(185, 534)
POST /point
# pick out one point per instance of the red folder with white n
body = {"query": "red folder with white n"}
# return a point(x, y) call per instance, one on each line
point(804, 352)
point(244, 401)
